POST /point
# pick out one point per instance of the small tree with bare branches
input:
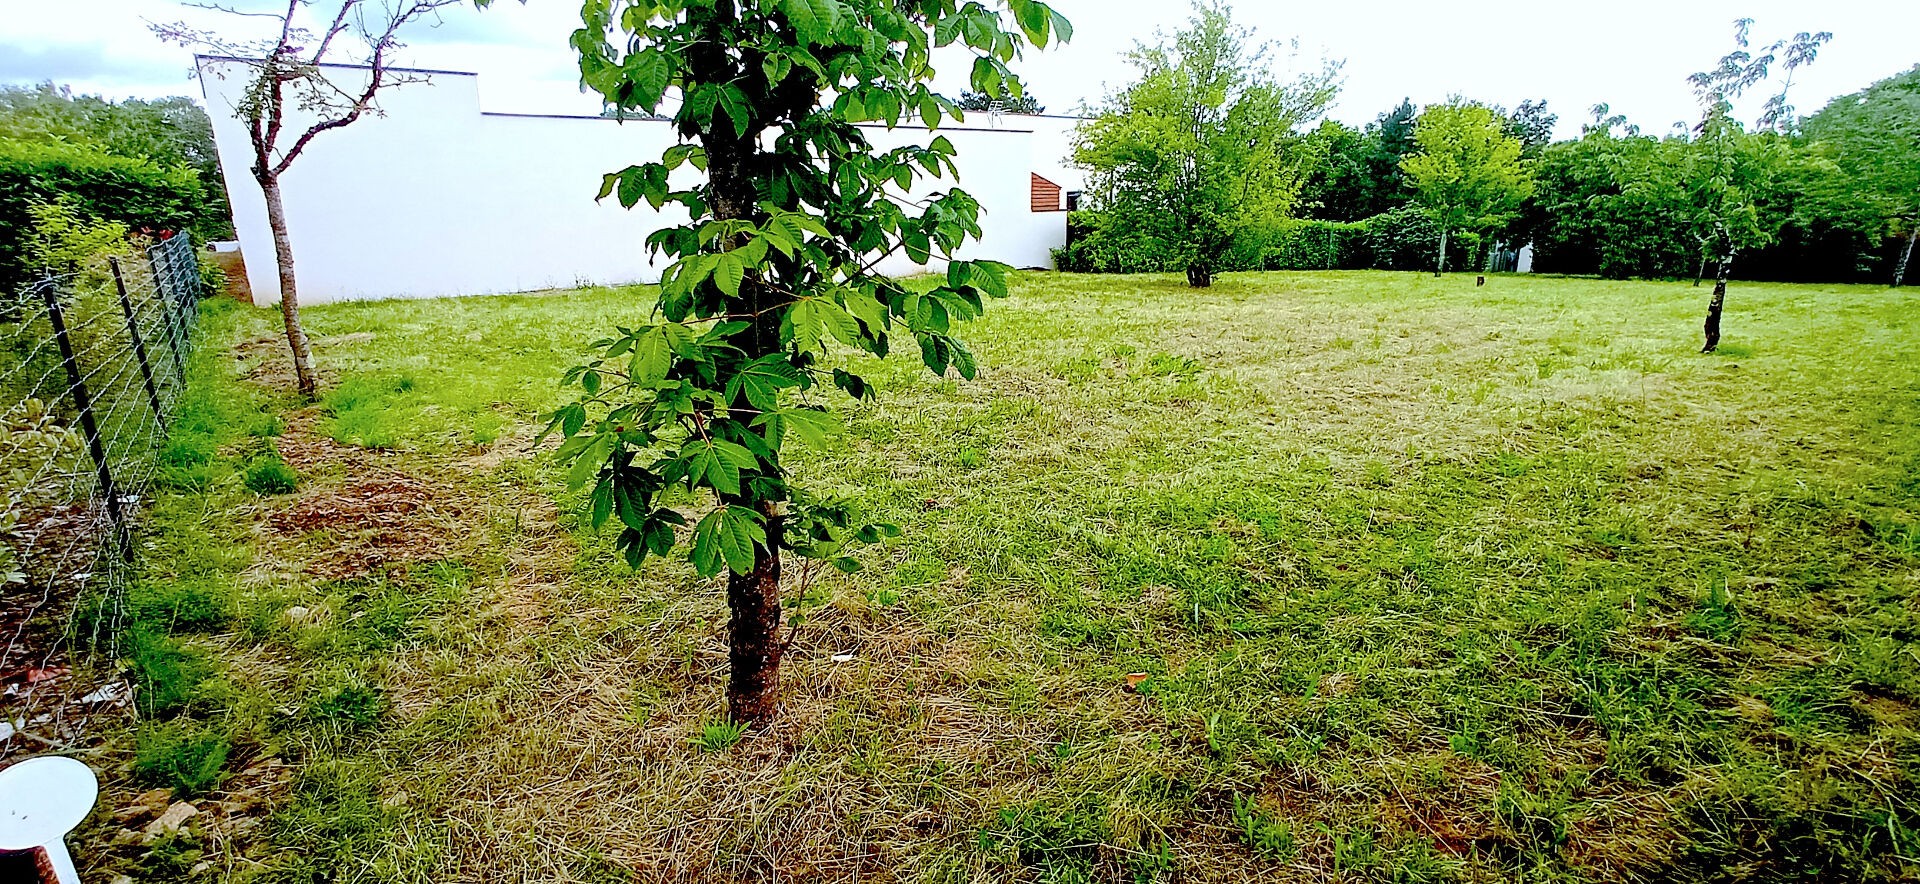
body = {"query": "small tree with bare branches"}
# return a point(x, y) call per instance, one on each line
point(288, 77)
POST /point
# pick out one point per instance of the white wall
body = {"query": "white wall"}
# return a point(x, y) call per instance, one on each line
point(434, 197)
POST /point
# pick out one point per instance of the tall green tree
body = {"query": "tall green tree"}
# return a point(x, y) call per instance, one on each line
point(1200, 151)
point(791, 206)
point(1468, 174)
point(1875, 137)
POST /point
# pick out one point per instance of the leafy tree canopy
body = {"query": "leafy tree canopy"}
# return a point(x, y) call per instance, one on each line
point(1469, 173)
point(1875, 138)
point(791, 206)
point(1201, 148)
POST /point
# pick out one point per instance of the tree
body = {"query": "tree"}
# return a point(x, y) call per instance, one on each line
point(1012, 104)
point(774, 268)
point(1389, 141)
point(1587, 215)
point(1468, 173)
point(292, 99)
point(1729, 173)
point(1339, 183)
point(1533, 124)
point(1198, 152)
point(1875, 137)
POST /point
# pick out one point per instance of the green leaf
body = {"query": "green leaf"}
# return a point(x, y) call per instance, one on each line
point(650, 72)
point(814, 20)
point(590, 459)
point(652, 357)
point(815, 427)
point(1062, 28)
point(762, 380)
point(729, 270)
point(739, 535)
point(808, 319)
point(601, 503)
point(706, 554)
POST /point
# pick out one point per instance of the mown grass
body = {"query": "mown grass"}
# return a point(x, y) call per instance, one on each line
point(1427, 582)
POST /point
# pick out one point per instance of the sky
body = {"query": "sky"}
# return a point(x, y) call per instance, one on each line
point(1631, 54)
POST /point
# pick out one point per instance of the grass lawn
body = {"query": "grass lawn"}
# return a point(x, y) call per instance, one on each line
point(1429, 582)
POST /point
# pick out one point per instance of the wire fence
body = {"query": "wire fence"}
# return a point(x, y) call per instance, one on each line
point(92, 363)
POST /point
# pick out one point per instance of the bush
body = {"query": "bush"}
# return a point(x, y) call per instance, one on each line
point(134, 192)
point(1094, 247)
point(1406, 239)
point(1403, 239)
point(1319, 245)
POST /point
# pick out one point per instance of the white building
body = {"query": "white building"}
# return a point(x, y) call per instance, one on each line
point(433, 196)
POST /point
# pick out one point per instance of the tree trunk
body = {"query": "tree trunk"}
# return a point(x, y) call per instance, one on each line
point(1906, 255)
point(1701, 273)
point(753, 599)
point(1440, 263)
point(1713, 306)
point(289, 292)
point(1199, 276)
point(753, 633)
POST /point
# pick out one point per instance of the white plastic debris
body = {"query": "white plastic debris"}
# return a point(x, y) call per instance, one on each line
point(41, 800)
point(843, 658)
point(117, 693)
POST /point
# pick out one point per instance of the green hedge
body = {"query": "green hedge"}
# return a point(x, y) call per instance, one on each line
point(1320, 245)
point(135, 192)
point(1403, 239)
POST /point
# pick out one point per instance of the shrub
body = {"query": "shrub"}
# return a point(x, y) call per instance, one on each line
point(1406, 239)
point(134, 192)
point(1403, 239)
point(1319, 245)
point(1094, 247)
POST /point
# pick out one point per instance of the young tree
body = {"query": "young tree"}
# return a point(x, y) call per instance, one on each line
point(292, 99)
point(1729, 173)
point(1875, 137)
point(1198, 151)
point(1468, 173)
point(774, 267)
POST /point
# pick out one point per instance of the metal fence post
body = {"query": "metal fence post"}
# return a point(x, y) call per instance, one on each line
point(77, 389)
point(139, 346)
point(156, 259)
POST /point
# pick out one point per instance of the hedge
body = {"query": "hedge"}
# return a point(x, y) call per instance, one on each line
point(1403, 239)
point(135, 192)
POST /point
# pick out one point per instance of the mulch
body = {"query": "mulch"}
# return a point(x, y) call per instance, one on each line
point(373, 524)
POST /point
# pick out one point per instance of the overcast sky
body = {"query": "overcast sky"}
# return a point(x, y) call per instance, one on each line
point(1632, 54)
